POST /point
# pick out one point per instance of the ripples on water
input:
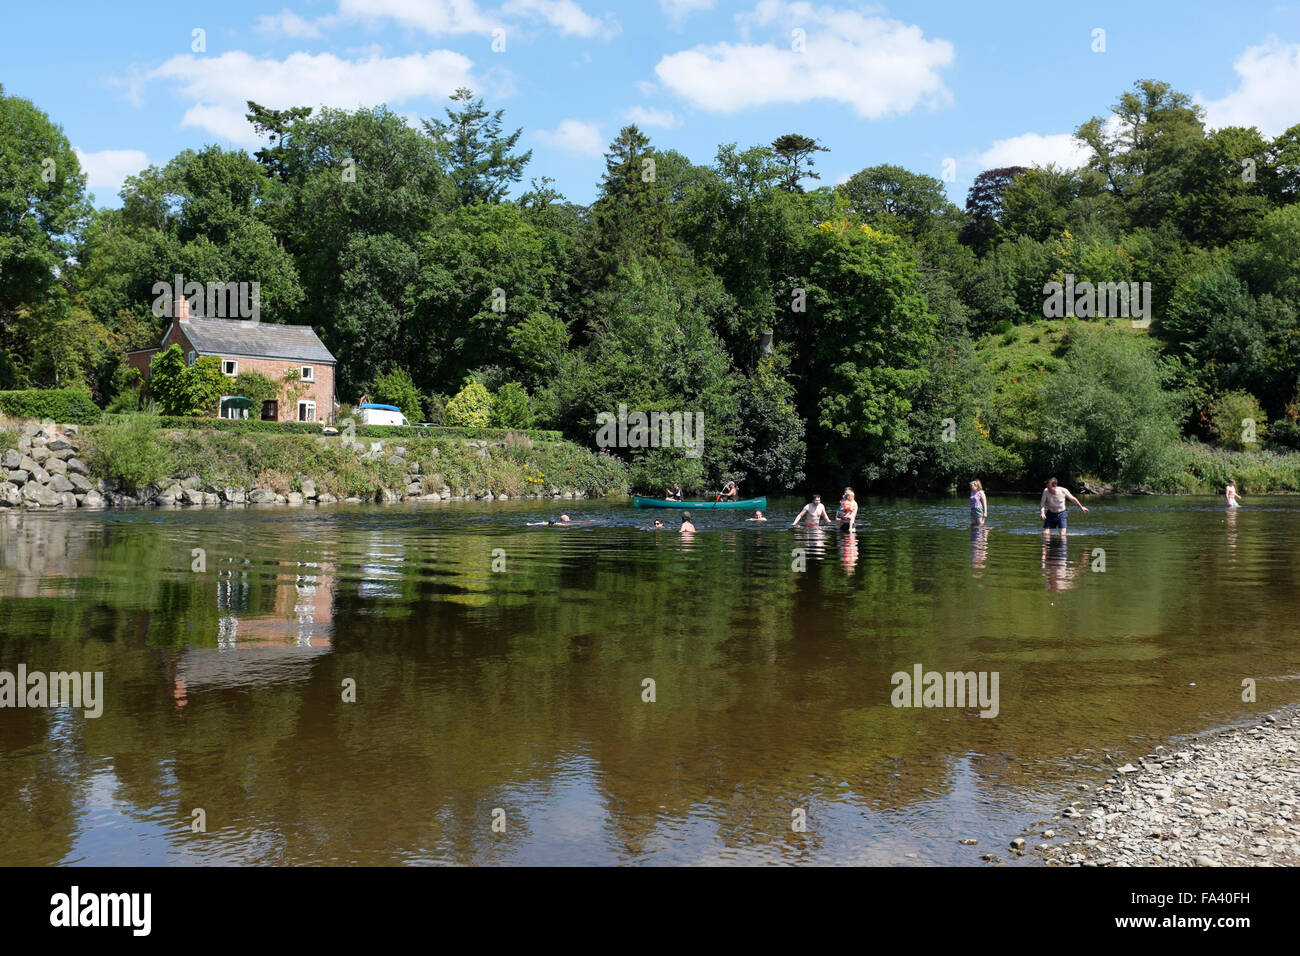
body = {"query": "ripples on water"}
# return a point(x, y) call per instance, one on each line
point(520, 689)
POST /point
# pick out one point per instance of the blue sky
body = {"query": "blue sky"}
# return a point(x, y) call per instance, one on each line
point(912, 84)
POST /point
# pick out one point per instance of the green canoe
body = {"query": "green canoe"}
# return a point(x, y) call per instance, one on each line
point(753, 504)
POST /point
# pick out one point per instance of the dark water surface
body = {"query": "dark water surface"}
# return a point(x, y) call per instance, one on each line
point(522, 689)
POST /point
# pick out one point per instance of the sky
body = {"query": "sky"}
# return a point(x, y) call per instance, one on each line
point(945, 88)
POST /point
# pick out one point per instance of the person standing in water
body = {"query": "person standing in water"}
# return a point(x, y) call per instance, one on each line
point(687, 527)
point(848, 511)
point(815, 510)
point(1051, 507)
point(979, 503)
point(1232, 495)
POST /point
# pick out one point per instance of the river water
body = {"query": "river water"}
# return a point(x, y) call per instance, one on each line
point(500, 677)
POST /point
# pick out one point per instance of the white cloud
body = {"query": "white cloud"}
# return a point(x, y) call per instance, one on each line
point(1034, 149)
point(431, 16)
point(1268, 94)
point(220, 86)
point(649, 116)
point(677, 9)
point(565, 15)
point(646, 87)
point(575, 136)
point(878, 67)
point(287, 23)
point(105, 169)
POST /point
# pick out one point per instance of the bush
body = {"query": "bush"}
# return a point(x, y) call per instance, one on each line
point(126, 448)
point(1238, 422)
point(471, 408)
point(511, 408)
point(256, 426)
point(63, 405)
point(256, 387)
point(395, 387)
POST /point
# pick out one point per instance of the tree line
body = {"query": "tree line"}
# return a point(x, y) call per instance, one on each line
point(871, 332)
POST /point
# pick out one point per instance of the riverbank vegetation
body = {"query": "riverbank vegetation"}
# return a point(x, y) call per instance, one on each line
point(871, 332)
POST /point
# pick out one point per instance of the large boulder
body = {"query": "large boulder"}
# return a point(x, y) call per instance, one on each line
point(191, 483)
point(28, 464)
point(236, 496)
point(92, 499)
point(77, 465)
point(61, 484)
point(41, 475)
point(39, 453)
point(35, 494)
point(12, 457)
point(55, 467)
point(262, 496)
point(10, 496)
point(193, 496)
point(58, 444)
point(69, 499)
point(309, 489)
point(18, 476)
point(80, 483)
point(295, 497)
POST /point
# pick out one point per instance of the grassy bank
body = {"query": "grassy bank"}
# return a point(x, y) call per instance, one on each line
point(137, 454)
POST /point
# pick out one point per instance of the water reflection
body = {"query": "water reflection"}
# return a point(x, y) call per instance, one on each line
point(524, 689)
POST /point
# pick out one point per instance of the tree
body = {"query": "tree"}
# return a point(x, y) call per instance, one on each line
point(395, 387)
point(41, 203)
point(902, 202)
point(984, 206)
point(630, 218)
point(482, 166)
point(181, 389)
point(794, 152)
point(278, 125)
point(471, 407)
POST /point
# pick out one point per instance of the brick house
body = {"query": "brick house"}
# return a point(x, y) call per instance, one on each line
point(255, 347)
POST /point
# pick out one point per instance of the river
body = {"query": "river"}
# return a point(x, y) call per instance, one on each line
point(500, 676)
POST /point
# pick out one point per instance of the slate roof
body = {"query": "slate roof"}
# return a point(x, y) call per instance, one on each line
point(255, 339)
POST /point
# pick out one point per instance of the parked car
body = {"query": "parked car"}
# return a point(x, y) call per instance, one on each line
point(371, 414)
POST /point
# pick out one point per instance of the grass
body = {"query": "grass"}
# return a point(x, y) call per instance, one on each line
point(283, 461)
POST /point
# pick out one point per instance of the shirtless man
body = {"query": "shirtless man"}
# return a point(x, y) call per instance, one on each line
point(687, 527)
point(815, 510)
point(1051, 507)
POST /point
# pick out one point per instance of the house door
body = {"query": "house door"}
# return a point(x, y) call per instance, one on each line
point(271, 410)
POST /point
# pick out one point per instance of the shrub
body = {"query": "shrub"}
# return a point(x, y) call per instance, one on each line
point(395, 387)
point(126, 448)
point(1238, 422)
point(256, 387)
point(511, 407)
point(471, 408)
point(65, 405)
point(181, 389)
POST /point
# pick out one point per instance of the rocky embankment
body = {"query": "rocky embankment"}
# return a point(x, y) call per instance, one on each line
point(1229, 799)
point(44, 471)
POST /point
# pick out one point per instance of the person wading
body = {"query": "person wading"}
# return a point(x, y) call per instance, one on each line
point(1051, 507)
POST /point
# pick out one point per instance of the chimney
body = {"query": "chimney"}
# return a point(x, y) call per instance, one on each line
point(182, 309)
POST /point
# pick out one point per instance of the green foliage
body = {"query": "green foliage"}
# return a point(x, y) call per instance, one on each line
point(181, 389)
point(511, 407)
point(395, 387)
point(256, 387)
point(63, 405)
point(127, 449)
point(1238, 422)
point(470, 408)
point(1105, 412)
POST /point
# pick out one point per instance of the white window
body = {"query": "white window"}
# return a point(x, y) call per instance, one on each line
point(189, 358)
point(229, 367)
point(306, 411)
point(308, 374)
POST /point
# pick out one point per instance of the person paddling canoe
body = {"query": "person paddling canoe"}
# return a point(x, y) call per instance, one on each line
point(729, 493)
point(675, 494)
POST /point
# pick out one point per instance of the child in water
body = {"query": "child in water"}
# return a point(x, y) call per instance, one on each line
point(1231, 493)
point(979, 503)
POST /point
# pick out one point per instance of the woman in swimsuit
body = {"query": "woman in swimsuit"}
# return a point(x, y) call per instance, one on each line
point(979, 503)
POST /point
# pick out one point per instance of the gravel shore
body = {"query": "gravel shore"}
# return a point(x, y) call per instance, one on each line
point(1224, 799)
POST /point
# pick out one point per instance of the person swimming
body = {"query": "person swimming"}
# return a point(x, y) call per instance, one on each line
point(815, 511)
point(658, 524)
point(758, 516)
point(687, 527)
point(564, 520)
